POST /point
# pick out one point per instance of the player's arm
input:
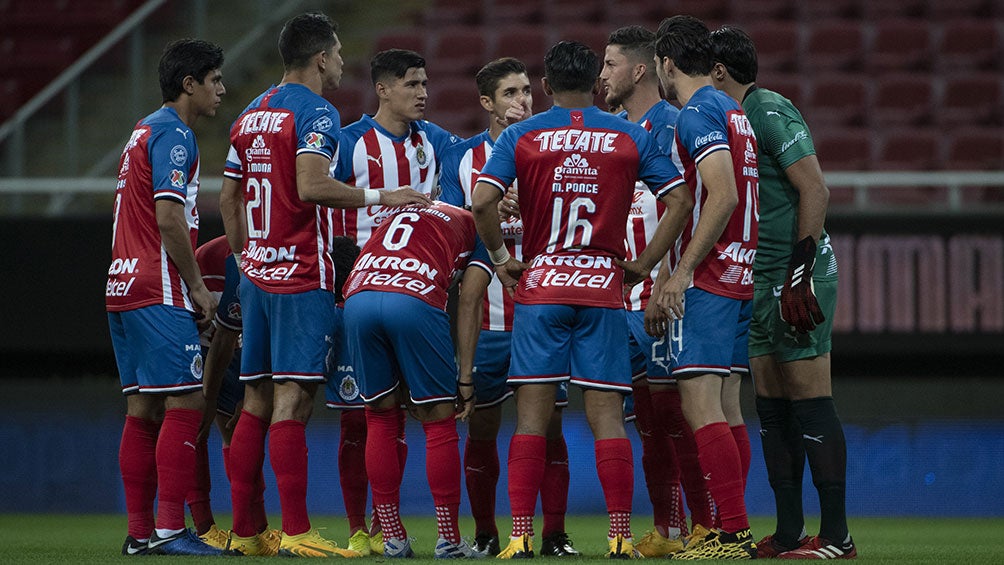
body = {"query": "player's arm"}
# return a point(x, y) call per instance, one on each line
point(314, 184)
point(177, 243)
point(470, 315)
point(232, 211)
point(485, 203)
point(813, 196)
point(218, 358)
point(798, 303)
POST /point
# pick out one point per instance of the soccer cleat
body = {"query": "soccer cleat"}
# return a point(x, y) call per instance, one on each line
point(623, 548)
point(215, 537)
point(819, 548)
point(652, 544)
point(133, 546)
point(376, 543)
point(721, 545)
point(696, 537)
point(360, 542)
point(311, 544)
point(520, 547)
point(487, 544)
point(448, 550)
point(265, 544)
point(557, 545)
point(184, 542)
point(397, 548)
point(769, 548)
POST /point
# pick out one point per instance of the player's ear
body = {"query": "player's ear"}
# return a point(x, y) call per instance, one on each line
point(188, 84)
point(546, 86)
point(487, 103)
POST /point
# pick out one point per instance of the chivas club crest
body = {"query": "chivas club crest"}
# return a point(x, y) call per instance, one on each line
point(420, 155)
point(348, 389)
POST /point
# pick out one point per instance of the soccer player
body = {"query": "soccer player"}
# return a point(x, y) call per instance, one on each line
point(629, 81)
point(399, 335)
point(576, 166)
point(155, 299)
point(484, 327)
point(793, 306)
point(394, 146)
point(276, 180)
point(713, 276)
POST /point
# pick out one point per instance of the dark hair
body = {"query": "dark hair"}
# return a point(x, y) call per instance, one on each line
point(394, 62)
point(635, 41)
point(570, 66)
point(734, 48)
point(490, 75)
point(687, 41)
point(186, 57)
point(303, 37)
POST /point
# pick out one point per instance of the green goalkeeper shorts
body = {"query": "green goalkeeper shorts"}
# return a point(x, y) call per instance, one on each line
point(770, 335)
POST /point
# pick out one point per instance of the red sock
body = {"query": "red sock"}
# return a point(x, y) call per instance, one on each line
point(442, 468)
point(670, 415)
point(526, 473)
point(402, 444)
point(742, 438)
point(719, 458)
point(352, 467)
point(176, 465)
point(247, 455)
point(138, 465)
point(198, 497)
point(616, 471)
point(287, 450)
point(226, 461)
point(382, 432)
point(258, 515)
point(481, 473)
point(658, 460)
point(554, 488)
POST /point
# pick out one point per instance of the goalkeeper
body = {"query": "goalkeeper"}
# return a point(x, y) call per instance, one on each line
point(794, 298)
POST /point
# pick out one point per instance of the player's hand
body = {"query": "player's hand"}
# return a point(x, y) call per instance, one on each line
point(208, 415)
point(465, 398)
point(232, 422)
point(509, 205)
point(205, 307)
point(670, 297)
point(509, 274)
point(799, 307)
point(656, 319)
point(403, 196)
point(634, 272)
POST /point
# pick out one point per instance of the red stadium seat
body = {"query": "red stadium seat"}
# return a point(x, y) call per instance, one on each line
point(941, 9)
point(846, 9)
point(900, 45)
point(903, 100)
point(777, 44)
point(452, 12)
point(969, 44)
point(788, 85)
point(459, 51)
point(594, 36)
point(410, 39)
point(912, 149)
point(763, 10)
point(833, 45)
point(972, 99)
point(703, 9)
point(453, 104)
point(844, 149)
point(514, 11)
point(559, 12)
point(527, 43)
point(876, 10)
point(837, 99)
point(977, 150)
point(353, 100)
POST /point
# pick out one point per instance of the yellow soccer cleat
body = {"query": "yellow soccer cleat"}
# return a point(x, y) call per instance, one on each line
point(376, 544)
point(623, 548)
point(311, 544)
point(696, 537)
point(520, 547)
point(721, 545)
point(265, 544)
point(652, 544)
point(360, 542)
point(216, 537)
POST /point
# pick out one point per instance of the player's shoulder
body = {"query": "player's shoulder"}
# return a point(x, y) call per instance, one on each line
point(358, 128)
point(763, 104)
point(457, 150)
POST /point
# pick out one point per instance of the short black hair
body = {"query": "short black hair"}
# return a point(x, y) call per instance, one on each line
point(734, 49)
point(490, 75)
point(571, 66)
point(186, 57)
point(687, 41)
point(394, 62)
point(635, 41)
point(304, 36)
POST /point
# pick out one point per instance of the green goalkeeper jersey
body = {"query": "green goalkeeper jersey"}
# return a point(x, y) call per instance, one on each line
point(782, 139)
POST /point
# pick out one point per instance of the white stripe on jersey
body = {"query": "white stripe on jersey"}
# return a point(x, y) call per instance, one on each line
point(319, 214)
point(165, 277)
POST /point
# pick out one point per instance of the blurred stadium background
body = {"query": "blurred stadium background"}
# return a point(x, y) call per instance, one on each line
point(905, 99)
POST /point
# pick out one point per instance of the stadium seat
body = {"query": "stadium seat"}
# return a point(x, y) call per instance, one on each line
point(940, 9)
point(833, 45)
point(595, 36)
point(969, 44)
point(902, 100)
point(410, 38)
point(704, 9)
point(974, 99)
point(911, 149)
point(877, 10)
point(459, 51)
point(844, 9)
point(452, 12)
point(352, 101)
point(453, 104)
point(844, 149)
point(981, 149)
point(788, 85)
point(514, 11)
point(900, 45)
point(837, 99)
point(36, 54)
point(559, 12)
point(527, 43)
point(777, 44)
point(764, 10)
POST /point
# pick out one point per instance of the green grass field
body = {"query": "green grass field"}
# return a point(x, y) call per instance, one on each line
point(60, 538)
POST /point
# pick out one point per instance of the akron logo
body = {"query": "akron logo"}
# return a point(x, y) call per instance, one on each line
point(348, 389)
point(196, 366)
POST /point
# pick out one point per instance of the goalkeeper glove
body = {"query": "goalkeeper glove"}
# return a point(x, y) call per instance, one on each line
point(799, 307)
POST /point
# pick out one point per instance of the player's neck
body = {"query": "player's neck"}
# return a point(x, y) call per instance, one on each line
point(640, 102)
point(396, 125)
point(309, 78)
point(735, 90)
point(184, 111)
point(686, 86)
point(572, 99)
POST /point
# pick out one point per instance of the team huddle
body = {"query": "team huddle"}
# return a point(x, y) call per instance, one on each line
point(650, 254)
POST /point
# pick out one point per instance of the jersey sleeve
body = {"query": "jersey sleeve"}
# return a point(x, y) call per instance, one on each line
point(441, 139)
point(228, 314)
point(655, 168)
point(500, 170)
point(783, 134)
point(172, 154)
point(317, 131)
point(341, 168)
point(702, 131)
point(234, 167)
point(479, 257)
point(451, 191)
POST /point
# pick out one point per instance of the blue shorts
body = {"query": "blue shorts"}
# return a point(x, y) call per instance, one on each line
point(395, 337)
point(231, 389)
point(649, 356)
point(286, 336)
point(555, 342)
point(491, 368)
point(342, 390)
point(712, 337)
point(157, 350)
